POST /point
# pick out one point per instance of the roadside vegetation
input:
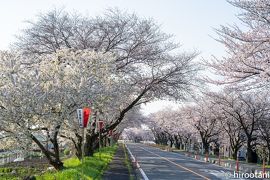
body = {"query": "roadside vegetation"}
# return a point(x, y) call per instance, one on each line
point(89, 168)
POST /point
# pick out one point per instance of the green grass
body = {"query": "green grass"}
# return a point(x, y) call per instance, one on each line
point(90, 168)
point(128, 164)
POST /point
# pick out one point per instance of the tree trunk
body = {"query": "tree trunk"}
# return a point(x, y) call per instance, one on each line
point(205, 147)
point(171, 143)
point(91, 144)
point(216, 151)
point(183, 147)
point(234, 153)
point(105, 141)
point(58, 165)
point(186, 145)
point(78, 147)
point(177, 141)
point(251, 155)
point(53, 159)
point(267, 158)
point(177, 145)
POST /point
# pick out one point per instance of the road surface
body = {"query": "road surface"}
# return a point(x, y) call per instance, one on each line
point(158, 164)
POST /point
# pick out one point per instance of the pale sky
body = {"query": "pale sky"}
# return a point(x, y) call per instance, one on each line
point(191, 21)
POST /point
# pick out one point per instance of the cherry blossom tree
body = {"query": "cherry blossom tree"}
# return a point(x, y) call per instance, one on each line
point(145, 67)
point(245, 67)
point(245, 111)
point(171, 126)
point(137, 134)
point(159, 123)
point(40, 94)
point(206, 122)
point(247, 59)
point(234, 135)
point(264, 133)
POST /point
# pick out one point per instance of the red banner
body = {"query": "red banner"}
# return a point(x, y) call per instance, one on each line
point(86, 115)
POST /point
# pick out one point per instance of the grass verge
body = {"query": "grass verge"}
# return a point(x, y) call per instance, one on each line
point(90, 168)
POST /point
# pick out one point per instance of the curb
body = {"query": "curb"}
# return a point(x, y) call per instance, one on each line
point(136, 164)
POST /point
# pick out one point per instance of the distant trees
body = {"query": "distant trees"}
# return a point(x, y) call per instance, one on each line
point(238, 119)
point(137, 134)
point(206, 122)
point(170, 127)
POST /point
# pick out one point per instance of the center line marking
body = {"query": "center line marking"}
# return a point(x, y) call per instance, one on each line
point(178, 165)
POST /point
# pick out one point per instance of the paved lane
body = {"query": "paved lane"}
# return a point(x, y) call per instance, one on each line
point(158, 164)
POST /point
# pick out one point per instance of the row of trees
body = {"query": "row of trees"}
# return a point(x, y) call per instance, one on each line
point(62, 61)
point(238, 114)
point(224, 119)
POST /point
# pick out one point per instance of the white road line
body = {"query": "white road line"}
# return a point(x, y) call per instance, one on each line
point(229, 169)
point(137, 164)
point(204, 177)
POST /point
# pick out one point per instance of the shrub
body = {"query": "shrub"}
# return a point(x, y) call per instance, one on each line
point(66, 152)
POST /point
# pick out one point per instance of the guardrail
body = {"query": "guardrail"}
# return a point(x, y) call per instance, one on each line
point(8, 157)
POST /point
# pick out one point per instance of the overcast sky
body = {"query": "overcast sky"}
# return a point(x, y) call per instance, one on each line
point(191, 21)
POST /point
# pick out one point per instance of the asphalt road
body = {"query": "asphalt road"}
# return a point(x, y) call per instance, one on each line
point(158, 164)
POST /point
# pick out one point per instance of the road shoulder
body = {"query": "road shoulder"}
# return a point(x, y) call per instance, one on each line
point(120, 167)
